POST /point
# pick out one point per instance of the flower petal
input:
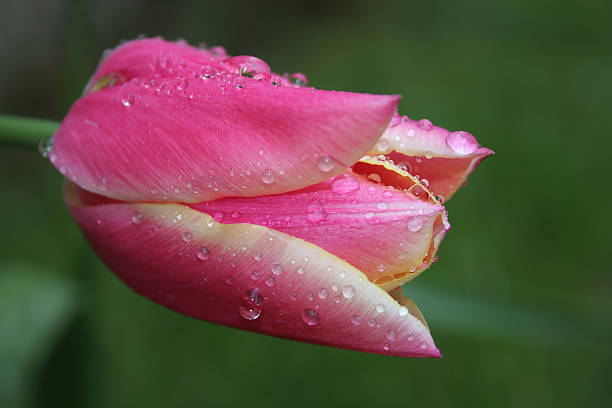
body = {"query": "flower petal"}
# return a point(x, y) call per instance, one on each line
point(183, 131)
point(445, 159)
point(385, 233)
point(246, 276)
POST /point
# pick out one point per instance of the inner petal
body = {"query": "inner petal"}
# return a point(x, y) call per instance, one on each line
point(386, 232)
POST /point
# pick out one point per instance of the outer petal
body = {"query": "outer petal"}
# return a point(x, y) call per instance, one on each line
point(247, 276)
point(383, 232)
point(179, 130)
point(445, 159)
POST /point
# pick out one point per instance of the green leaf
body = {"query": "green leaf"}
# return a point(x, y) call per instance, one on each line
point(35, 307)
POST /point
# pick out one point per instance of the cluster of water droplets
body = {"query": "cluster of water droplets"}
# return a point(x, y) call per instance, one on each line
point(402, 129)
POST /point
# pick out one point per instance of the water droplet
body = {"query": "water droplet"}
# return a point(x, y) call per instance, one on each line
point(277, 269)
point(348, 291)
point(298, 79)
point(410, 337)
point(240, 83)
point(137, 218)
point(425, 124)
point(415, 224)
point(419, 192)
point(322, 293)
point(372, 322)
point(374, 177)
point(316, 212)
point(391, 336)
point(255, 274)
point(207, 72)
point(386, 346)
point(235, 215)
point(251, 67)
point(310, 296)
point(356, 320)
point(270, 281)
point(326, 164)
point(44, 147)
point(462, 142)
point(423, 345)
point(382, 145)
point(342, 274)
point(402, 311)
point(381, 268)
point(344, 185)
point(251, 304)
point(257, 257)
point(187, 236)
point(229, 280)
point(395, 120)
point(203, 254)
point(128, 100)
point(382, 205)
point(310, 317)
point(380, 308)
point(337, 299)
point(387, 194)
point(335, 287)
point(268, 177)
point(405, 167)
point(300, 270)
point(219, 216)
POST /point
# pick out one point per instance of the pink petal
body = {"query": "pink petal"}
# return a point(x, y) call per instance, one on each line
point(384, 232)
point(445, 159)
point(246, 276)
point(165, 121)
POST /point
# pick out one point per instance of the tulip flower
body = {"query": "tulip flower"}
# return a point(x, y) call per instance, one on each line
point(232, 194)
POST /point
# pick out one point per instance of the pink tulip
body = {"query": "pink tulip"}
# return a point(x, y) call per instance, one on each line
point(226, 192)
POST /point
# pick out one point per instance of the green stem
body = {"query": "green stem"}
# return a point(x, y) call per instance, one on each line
point(24, 132)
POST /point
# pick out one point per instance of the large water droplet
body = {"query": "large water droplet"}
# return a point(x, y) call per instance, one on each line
point(425, 124)
point(187, 236)
point(380, 308)
point(415, 224)
point(402, 311)
point(326, 164)
point(268, 177)
point(251, 304)
point(316, 212)
point(462, 142)
point(310, 317)
point(348, 291)
point(249, 66)
point(344, 185)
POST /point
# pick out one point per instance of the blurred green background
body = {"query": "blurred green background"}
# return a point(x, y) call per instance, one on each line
point(519, 302)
